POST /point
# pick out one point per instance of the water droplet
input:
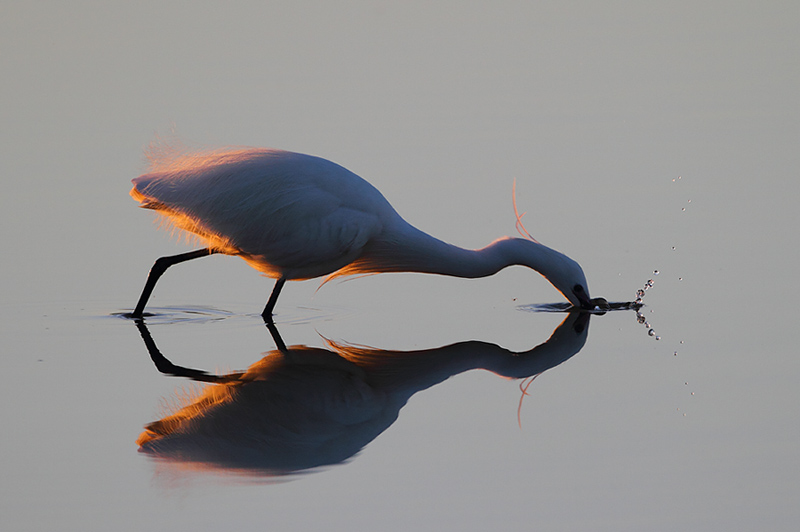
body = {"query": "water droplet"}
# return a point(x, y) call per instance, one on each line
point(680, 278)
point(655, 272)
point(651, 332)
point(658, 338)
point(683, 208)
point(690, 201)
point(640, 293)
point(676, 353)
point(673, 248)
point(681, 341)
point(692, 393)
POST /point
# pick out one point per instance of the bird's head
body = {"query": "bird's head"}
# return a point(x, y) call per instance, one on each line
point(585, 303)
point(568, 278)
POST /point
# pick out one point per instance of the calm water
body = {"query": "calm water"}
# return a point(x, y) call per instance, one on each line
point(640, 140)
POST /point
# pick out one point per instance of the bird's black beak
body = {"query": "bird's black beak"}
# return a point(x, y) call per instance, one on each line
point(597, 303)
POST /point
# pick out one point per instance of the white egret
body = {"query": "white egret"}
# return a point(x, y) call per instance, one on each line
point(293, 217)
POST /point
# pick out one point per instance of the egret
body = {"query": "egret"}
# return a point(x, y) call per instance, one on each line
point(294, 217)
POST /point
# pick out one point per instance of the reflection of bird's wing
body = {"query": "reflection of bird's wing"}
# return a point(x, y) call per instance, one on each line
point(283, 416)
point(286, 213)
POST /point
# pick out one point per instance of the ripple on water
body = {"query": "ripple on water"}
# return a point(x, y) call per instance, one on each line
point(203, 314)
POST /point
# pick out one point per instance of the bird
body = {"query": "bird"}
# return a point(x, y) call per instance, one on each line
point(293, 216)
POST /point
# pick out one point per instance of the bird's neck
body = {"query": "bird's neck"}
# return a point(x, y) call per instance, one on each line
point(499, 254)
point(411, 250)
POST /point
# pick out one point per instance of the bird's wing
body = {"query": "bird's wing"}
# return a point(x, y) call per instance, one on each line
point(287, 214)
point(323, 236)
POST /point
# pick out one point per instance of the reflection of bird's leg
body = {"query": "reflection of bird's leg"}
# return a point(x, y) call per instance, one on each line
point(276, 336)
point(158, 269)
point(273, 298)
point(165, 366)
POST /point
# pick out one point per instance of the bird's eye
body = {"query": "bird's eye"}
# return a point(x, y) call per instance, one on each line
point(578, 289)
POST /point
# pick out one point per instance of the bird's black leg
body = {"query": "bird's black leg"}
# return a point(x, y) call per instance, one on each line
point(158, 269)
point(165, 366)
point(273, 298)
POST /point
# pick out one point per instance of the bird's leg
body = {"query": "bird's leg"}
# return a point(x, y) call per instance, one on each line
point(168, 368)
point(158, 269)
point(273, 298)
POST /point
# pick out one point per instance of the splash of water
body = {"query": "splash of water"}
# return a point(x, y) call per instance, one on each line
point(638, 301)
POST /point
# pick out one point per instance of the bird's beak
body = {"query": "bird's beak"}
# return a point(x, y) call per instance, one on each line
point(597, 303)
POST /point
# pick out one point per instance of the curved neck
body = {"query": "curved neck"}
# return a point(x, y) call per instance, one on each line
point(499, 254)
point(415, 251)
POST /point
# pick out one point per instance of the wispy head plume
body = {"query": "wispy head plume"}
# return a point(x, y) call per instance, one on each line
point(520, 227)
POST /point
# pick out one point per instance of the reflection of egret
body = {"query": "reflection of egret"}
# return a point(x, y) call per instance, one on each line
point(294, 217)
point(302, 407)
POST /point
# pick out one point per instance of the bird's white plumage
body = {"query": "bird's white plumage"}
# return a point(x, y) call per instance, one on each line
point(287, 214)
